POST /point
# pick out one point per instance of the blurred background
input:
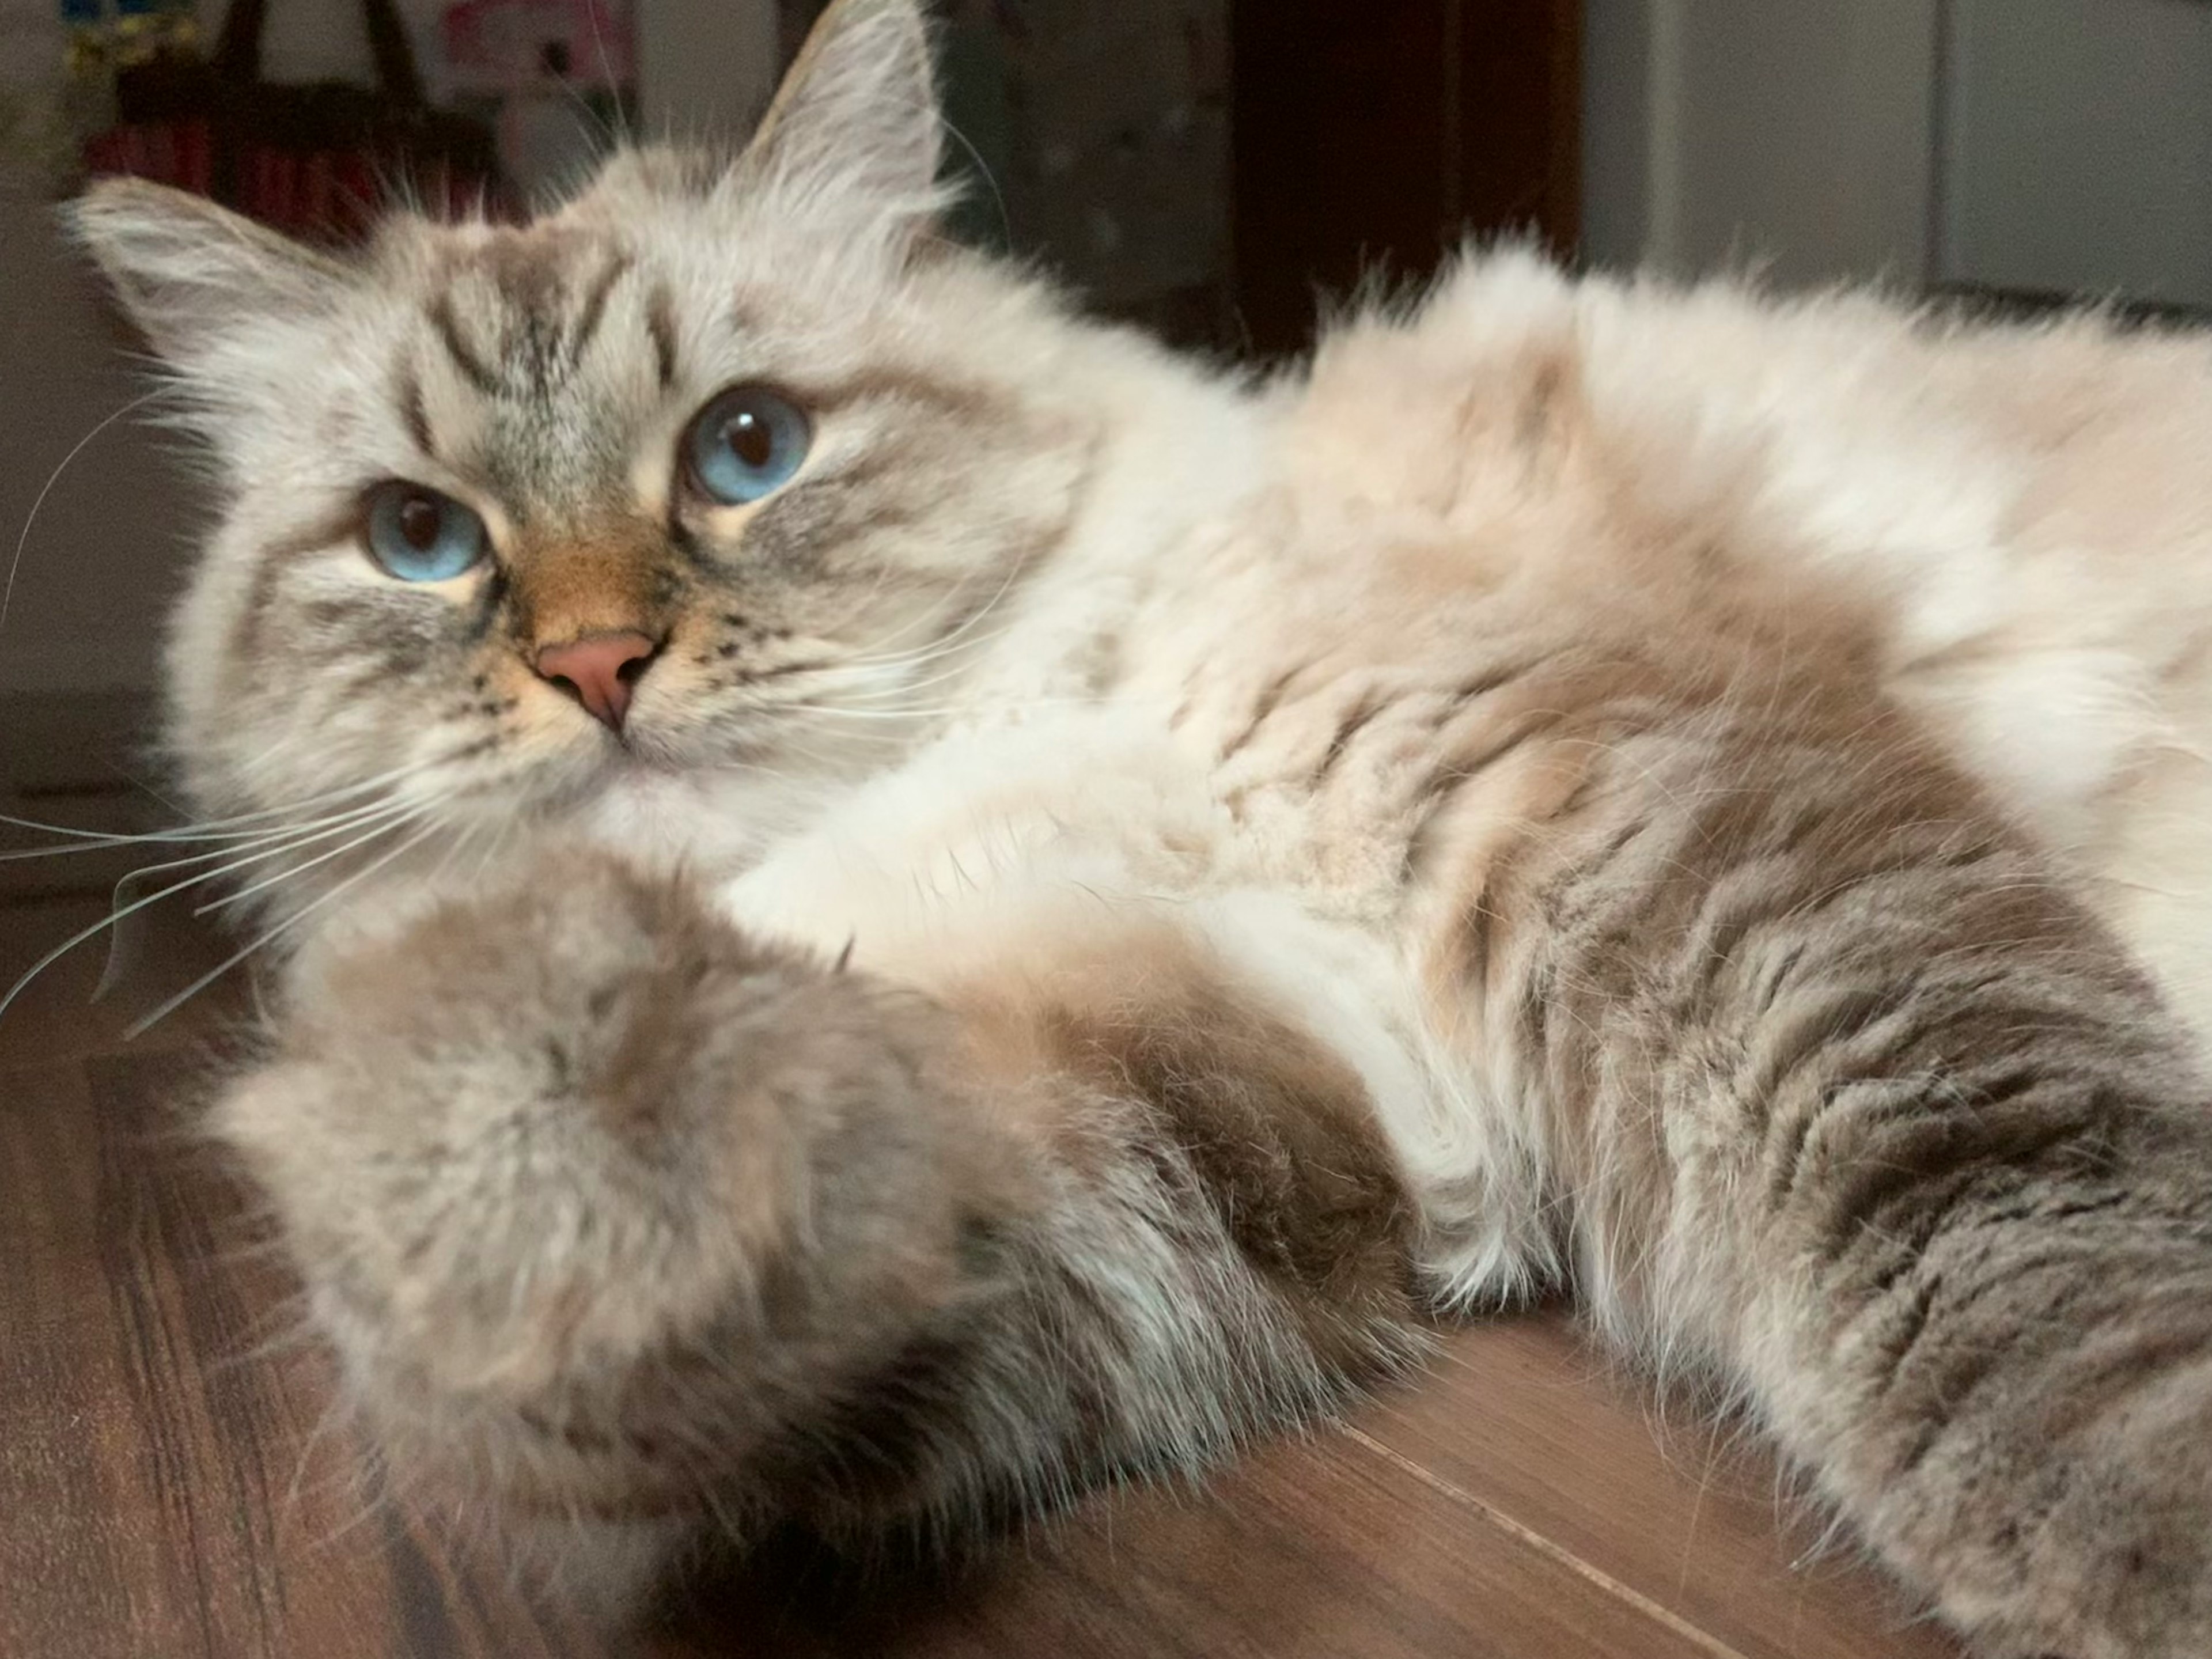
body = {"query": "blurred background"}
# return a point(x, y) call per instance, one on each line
point(1207, 167)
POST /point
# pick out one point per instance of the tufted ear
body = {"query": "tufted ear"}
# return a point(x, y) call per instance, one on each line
point(855, 127)
point(194, 277)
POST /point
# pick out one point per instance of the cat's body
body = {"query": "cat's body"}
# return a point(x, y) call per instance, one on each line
point(1119, 891)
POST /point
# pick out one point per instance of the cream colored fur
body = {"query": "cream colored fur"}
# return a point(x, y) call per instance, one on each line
point(1184, 703)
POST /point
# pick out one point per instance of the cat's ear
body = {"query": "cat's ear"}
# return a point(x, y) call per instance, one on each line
point(855, 127)
point(195, 276)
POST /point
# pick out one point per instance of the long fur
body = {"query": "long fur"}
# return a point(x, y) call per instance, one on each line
point(1126, 892)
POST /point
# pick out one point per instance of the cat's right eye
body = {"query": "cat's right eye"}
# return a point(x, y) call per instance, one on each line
point(419, 535)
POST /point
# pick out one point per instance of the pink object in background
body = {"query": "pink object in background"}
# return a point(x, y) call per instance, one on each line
point(553, 78)
point(508, 46)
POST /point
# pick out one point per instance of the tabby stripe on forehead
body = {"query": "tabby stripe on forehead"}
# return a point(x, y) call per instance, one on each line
point(414, 411)
point(595, 307)
point(474, 369)
point(660, 323)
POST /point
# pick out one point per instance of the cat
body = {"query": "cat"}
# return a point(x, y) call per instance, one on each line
point(893, 903)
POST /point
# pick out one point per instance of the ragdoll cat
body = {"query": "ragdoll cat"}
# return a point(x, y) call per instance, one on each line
point(893, 902)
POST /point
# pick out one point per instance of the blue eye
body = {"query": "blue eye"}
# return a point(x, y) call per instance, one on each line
point(745, 444)
point(420, 536)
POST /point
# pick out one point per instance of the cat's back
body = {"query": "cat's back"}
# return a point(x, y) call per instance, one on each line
point(2008, 529)
point(1492, 533)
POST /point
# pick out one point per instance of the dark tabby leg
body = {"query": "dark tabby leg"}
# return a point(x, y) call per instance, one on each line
point(623, 1222)
point(1862, 1109)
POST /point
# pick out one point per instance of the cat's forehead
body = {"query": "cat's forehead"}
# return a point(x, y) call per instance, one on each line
point(520, 310)
point(529, 354)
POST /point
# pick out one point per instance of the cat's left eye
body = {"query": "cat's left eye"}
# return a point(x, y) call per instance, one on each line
point(419, 535)
point(745, 444)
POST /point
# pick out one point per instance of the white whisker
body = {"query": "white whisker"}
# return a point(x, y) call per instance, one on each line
point(381, 827)
point(213, 829)
point(7, 590)
point(622, 133)
point(140, 1027)
point(874, 655)
point(136, 905)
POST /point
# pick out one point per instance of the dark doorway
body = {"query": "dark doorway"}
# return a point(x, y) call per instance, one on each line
point(1374, 135)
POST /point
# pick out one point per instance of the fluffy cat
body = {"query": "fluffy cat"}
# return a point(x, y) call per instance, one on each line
point(893, 902)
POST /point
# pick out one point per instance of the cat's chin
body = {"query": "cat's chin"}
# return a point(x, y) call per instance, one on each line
point(656, 748)
point(574, 775)
point(711, 818)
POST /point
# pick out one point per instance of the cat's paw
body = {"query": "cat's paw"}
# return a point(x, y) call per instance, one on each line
point(599, 1200)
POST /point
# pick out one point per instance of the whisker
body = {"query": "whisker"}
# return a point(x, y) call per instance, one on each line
point(889, 674)
point(907, 688)
point(291, 837)
point(235, 842)
point(984, 170)
point(860, 602)
point(15, 564)
point(874, 654)
point(942, 711)
point(141, 1026)
point(381, 827)
point(876, 651)
point(333, 1412)
point(136, 905)
point(467, 835)
point(213, 829)
point(622, 133)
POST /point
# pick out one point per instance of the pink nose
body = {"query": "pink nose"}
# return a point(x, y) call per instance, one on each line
point(600, 669)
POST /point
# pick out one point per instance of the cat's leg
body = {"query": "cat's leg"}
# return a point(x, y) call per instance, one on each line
point(1857, 1105)
point(627, 1225)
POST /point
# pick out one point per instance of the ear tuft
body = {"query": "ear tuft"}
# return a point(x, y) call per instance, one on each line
point(192, 275)
point(855, 125)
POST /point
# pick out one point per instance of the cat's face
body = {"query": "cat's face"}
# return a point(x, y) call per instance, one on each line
point(716, 467)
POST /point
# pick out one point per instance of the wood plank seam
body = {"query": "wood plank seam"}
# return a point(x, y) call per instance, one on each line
point(1596, 1577)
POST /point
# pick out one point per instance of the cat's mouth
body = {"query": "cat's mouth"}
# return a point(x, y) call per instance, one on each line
point(662, 750)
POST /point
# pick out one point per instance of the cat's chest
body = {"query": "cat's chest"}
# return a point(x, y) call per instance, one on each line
point(1241, 732)
point(1324, 719)
point(1085, 807)
point(712, 825)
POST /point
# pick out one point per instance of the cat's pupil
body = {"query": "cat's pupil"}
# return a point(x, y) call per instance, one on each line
point(420, 520)
point(750, 439)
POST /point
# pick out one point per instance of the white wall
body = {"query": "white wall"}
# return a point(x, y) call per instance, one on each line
point(2062, 146)
point(1805, 135)
point(1618, 149)
point(2078, 147)
point(1793, 133)
point(707, 66)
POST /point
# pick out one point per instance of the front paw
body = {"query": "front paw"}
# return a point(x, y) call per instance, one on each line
point(598, 1199)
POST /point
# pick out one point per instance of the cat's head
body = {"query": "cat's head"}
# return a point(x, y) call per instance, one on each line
point(717, 466)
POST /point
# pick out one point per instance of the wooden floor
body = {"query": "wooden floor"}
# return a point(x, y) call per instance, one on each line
point(164, 1491)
